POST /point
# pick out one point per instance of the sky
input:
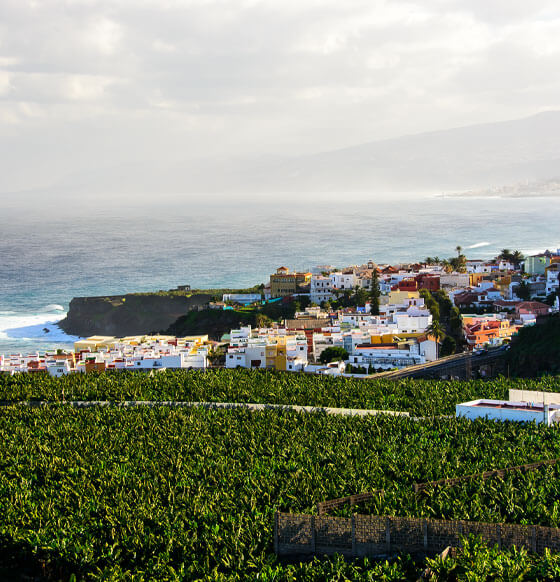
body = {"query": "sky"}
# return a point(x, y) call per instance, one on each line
point(89, 84)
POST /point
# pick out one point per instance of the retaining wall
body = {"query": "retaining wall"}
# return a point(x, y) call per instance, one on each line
point(373, 535)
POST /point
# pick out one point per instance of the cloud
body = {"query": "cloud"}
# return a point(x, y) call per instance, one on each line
point(172, 79)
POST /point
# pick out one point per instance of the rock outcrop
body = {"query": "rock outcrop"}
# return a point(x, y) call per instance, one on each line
point(132, 314)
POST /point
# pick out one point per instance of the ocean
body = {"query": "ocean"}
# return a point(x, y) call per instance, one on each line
point(46, 258)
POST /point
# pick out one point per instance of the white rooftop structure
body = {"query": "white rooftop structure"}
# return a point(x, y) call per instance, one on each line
point(511, 410)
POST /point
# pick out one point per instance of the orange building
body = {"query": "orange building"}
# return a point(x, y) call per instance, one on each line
point(482, 331)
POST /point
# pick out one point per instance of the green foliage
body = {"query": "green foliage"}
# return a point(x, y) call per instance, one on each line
point(443, 310)
point(523, 291)
point(213, 322)
point(514, 257)
point(447, 346)
point(458, 264)
point(419, 397)
point(320, 570)
point(262, 320)
point(332, 354)
point(477, 562)
point(535, 350)
point(361, 296)
point(189, 494)
point(431, 304)
point(375, 293)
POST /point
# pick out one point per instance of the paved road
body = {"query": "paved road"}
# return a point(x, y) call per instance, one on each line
point(443, 365)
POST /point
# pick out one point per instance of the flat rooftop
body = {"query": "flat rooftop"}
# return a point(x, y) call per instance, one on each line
point(524, 406)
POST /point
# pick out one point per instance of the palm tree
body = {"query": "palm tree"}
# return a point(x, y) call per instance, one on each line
point(517, 257)
point(505, 254)
point(435, 330)
point(447, 266)
point(459, 250)
point(429, 261)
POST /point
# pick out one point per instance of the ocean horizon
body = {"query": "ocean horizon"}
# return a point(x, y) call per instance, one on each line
point(47, 259)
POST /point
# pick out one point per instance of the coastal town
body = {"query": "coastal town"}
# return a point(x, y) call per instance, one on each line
point(359, 320)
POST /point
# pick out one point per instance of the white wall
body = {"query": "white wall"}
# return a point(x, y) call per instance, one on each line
point(471, 411)
point(534, 396)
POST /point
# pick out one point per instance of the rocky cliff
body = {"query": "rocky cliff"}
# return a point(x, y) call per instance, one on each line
point(132, 314)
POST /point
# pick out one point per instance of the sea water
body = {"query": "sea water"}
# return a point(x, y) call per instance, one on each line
point(46, 258)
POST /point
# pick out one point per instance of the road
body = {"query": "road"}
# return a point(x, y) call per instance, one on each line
point(445, 366)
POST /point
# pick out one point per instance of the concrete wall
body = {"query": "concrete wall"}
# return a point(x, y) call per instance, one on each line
point(373, 535)
point(534, 396)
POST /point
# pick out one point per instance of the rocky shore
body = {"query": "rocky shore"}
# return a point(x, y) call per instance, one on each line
point(129, 314)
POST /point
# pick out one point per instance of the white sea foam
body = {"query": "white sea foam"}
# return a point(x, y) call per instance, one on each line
point(478, 245)
point(38, 326)
point(53, 307)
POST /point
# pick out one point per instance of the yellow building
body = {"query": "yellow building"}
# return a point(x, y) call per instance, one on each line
point(284, 283)
point(392, 338)
point(281, 355)
point(100, 342)
point(194, 341)
point(398, 297)
point(502, 285)
point(270, 351)
point(95, 343)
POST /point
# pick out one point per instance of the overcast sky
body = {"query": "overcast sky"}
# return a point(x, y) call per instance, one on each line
point(93, 83)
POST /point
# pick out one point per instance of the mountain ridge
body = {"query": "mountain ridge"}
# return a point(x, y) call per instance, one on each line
point(475, 156)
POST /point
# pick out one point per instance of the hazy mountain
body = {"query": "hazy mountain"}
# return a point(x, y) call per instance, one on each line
point(477, 156)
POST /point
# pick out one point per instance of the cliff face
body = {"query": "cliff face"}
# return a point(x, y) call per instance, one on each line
point(121, 315)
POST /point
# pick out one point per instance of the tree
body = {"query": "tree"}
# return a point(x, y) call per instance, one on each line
point(448, 265)
point(332, 354)
point(459, 250)
point(361, 296)
point(375, 293)
point(346, 298)
point(523, 291)
point(262, 320)
point(437, 332)
point(448, 346)
point(458, 264)
point(517, 257)
point(431, 304)
point(505, 254)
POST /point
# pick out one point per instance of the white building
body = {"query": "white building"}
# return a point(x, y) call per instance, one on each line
point(504, 410)
point(385, 357)
point(330, 369)
point(169, 361)
point(320, 289)
point(343, 281)
point(477, 266)
point(552, 278)
point(58, 368)
point(407, 323)
point(322, 341)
